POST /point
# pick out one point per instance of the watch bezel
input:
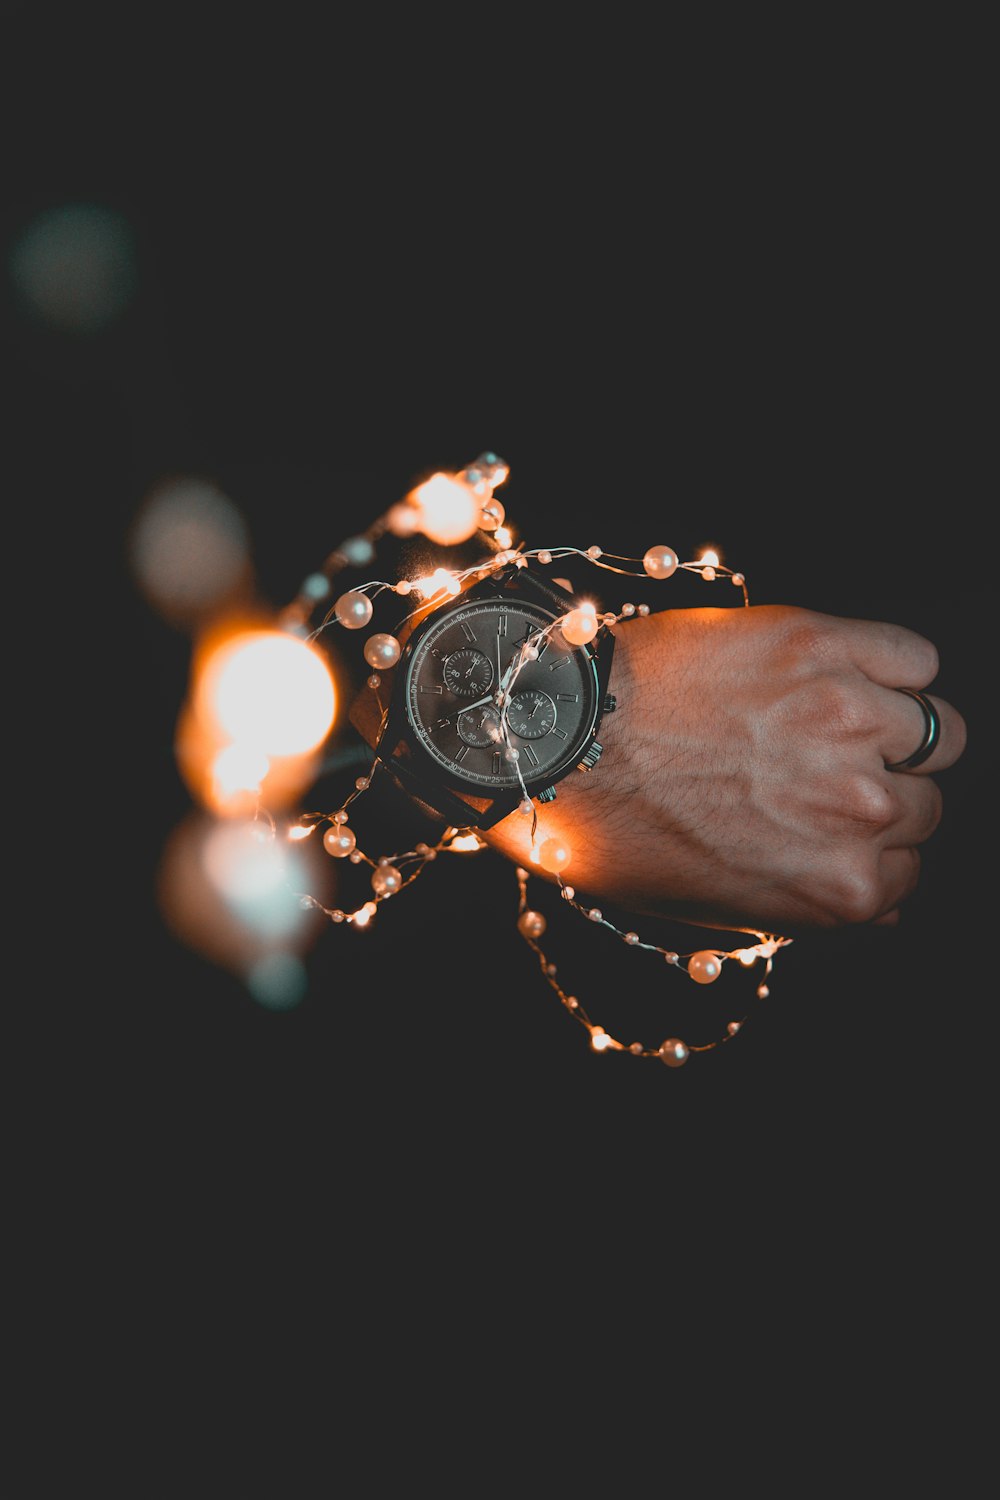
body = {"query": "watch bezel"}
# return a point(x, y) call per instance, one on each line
point(454, 781)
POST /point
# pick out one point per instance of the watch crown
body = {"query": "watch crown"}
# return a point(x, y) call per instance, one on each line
point(610, 703)
point(591, 758)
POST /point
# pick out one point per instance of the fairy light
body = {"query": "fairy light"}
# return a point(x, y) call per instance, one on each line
point(450, 508)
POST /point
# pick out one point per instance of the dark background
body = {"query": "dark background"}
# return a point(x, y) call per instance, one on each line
point(763, 341)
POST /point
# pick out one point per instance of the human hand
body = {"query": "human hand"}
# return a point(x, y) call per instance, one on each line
point(743, 782)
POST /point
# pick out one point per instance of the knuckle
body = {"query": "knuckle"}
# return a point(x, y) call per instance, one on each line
point(838, 707)
point(810, 639)
point(868, 802)
point(856, 895)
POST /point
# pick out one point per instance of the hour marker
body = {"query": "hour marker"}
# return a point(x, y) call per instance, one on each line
point(461, 752)
point(442, 723)
point(560, 733)
point(496, 763)
point(467, 631)
point(560, 661)
point(567, 697)
point(501, 624)
point(436, 688)
point(529, 754)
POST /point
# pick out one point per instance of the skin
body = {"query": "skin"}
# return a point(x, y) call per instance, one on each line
point(743, 782)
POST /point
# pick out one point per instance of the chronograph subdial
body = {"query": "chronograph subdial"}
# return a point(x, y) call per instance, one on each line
point(479, 727)
point(468, 673)
point(531, 714)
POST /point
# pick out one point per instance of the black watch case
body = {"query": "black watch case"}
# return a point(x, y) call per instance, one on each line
point(442, 737)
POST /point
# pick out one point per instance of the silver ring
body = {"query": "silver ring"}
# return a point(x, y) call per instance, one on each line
point(932, 731)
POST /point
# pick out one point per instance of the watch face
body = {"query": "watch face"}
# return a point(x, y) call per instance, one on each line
point(463, 660)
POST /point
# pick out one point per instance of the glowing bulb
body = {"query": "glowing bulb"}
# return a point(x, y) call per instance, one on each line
point(553, 855)
point(600, 1041)
point(301, 831)
point(709, 559)
point(364, 914)
point(465, 843)
point(449, 511)
point(503, 536)
point(436, 582)
point(747, 956)
point(270, 692)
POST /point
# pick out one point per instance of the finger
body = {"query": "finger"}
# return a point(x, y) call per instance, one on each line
point(899, 872)
point(905, 727)
point(918, 802)
point(889, 654)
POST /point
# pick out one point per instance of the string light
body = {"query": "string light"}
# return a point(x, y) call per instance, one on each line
point(450, 508)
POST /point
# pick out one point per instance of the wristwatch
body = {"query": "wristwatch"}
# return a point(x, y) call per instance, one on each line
point(468, 665)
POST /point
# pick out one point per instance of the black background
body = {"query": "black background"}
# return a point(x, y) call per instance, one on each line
point(757, 338)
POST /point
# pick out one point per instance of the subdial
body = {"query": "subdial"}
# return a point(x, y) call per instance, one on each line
point(468, 673)
point(531, 714)
point(479, 727)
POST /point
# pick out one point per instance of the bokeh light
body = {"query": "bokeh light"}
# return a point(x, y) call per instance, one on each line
point(74, 267)
point(231, 893)
point(449, 511)
point(259, 708)
point(189, 549)
point(270, 692)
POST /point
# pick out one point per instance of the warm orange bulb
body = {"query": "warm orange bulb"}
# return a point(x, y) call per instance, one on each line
point(554, 855)
point(449, 511)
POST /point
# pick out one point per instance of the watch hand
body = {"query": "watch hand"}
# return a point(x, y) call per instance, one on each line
point(513, 666)
point(479, 703)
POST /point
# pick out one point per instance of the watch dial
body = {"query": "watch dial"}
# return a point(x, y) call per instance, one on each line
point(469, 651)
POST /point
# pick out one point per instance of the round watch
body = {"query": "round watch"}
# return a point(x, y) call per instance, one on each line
point(463, 669)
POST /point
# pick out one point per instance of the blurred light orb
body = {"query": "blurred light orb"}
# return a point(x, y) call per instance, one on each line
point(189, 548)
point(449, 511)
point(240, 864)
point(278, 981)
point(239, 768)
point(254, 875)
point(74, 266)
point(554, 855)
point(271, 692)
